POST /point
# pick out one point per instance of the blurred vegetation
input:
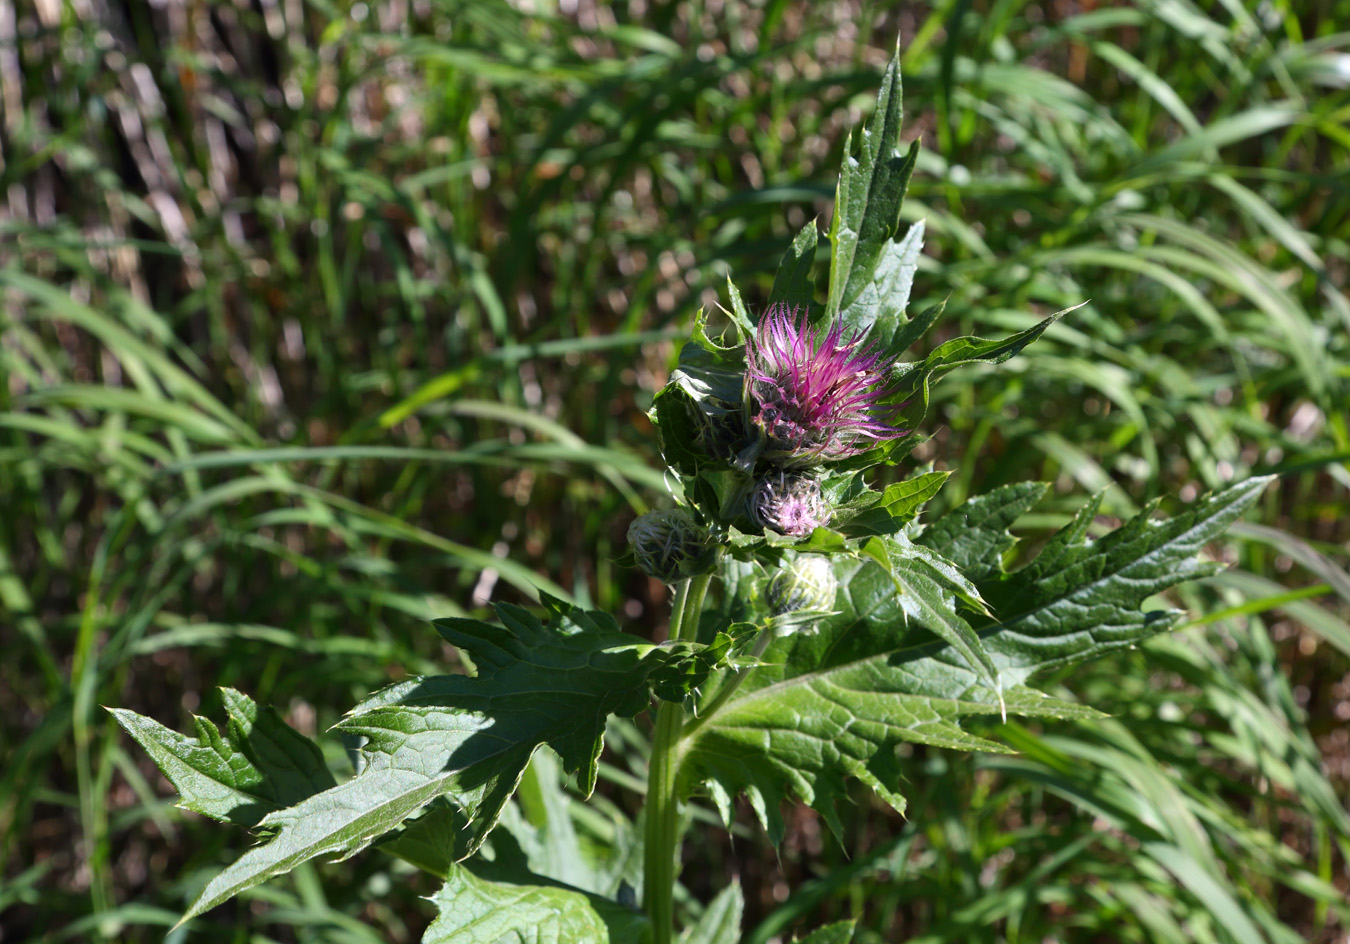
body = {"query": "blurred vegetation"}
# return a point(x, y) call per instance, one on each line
point(320, 319)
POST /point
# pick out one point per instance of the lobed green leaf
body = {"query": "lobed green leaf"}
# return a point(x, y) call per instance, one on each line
point(880, 308)
point(475, 910)
point(261, 766)
point(471, 738)
point(793, 285)
point(864, 266)
point(911, 382)
point(838, 703)
point(975, 536)
point(924, 586)
point(1081, 595)
point(887, 512)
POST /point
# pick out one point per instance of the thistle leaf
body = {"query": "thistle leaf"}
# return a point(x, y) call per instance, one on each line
point(912, 381)
point(476, 910)
point(915, 379)
point(262, 765)
point(924, 587)
point(838, 703)
point(840, 932)
point(739, 313)
point(884, 299)
point(793, 285)
point(975, 536)
point(865, 264)
point(720, 922)
point(888, 512)
point(471, 738)
point(1077, 585)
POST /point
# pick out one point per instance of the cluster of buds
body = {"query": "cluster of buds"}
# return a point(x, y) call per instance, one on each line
point(810, 396)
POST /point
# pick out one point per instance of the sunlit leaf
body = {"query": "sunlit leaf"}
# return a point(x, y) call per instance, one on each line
point(470, 737)
point(837, 703)
point(474, 910)
point(259, 766)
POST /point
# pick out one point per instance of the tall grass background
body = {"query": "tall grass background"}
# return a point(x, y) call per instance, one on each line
point(321, 319)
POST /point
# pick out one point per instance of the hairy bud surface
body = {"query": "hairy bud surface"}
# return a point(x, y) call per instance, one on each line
point(662, 541)
point(789, 504)
point(807, 583)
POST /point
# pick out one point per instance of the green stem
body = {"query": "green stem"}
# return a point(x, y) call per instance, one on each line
point(729, 687)
point(663, 808)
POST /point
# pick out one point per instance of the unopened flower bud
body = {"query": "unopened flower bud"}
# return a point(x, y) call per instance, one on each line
point(807, 583)
point(789, 504)
point(721, 432)
point(663, 540)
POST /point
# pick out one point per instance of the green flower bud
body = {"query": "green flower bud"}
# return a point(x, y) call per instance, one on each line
point(789, 504)
point(721, 431)
point(662, 541)
point(807, 583)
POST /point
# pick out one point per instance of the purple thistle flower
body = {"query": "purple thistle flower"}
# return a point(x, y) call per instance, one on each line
point(816, 399)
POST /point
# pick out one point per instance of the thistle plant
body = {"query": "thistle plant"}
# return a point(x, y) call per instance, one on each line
point(817, 624)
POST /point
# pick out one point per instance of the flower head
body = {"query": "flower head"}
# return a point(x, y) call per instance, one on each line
point(789, 503)
point(816, 399)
